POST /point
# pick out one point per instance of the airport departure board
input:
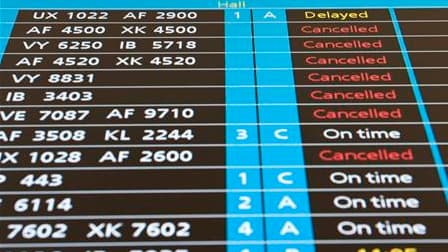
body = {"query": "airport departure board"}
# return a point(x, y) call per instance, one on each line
point(223, 126)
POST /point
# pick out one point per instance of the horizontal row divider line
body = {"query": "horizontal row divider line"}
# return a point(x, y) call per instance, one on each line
point(206, 216)
point(116, 145)
point(224, 191)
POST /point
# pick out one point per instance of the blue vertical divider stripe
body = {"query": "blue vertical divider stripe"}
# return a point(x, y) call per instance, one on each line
point(421, 106)
point(274, 68)
point(243, 161)
point(7, 19)
point(218, 3)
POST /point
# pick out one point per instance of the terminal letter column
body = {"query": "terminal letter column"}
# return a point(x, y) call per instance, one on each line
point(288, 220)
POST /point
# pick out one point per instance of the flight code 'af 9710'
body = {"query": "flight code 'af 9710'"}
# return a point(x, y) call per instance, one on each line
point(58, 115)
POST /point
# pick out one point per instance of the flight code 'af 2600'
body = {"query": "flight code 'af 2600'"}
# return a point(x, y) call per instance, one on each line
point(108, 156)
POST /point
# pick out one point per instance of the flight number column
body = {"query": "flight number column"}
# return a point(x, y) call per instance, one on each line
point(373, 180)
point(113, 132)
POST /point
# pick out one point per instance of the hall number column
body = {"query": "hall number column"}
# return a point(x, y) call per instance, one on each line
point(245, 226)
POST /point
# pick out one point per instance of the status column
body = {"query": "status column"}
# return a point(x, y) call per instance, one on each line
point(370, 170)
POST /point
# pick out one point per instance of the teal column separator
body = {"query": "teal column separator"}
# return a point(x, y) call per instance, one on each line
point(421, 105)
point(7, 20)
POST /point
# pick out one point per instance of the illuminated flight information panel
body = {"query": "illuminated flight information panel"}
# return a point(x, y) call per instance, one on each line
point(223, 126)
